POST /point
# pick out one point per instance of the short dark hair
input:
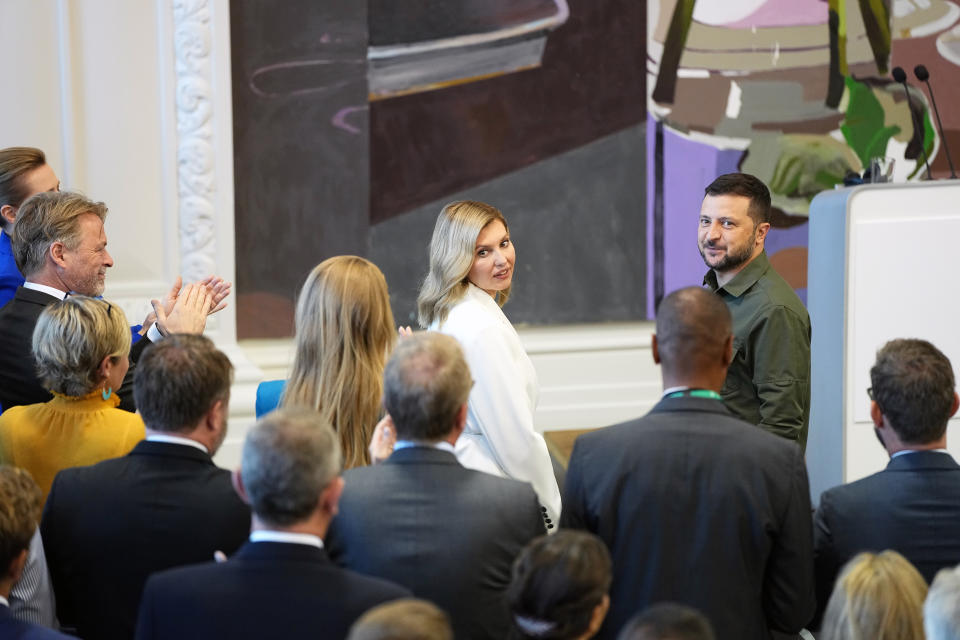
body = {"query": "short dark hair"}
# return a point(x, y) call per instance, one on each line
point(20, 504)
point(178, 379)
point(912, 382)
point(425, 383)
point(692, 327)
point(748, 186)
point(14, 163)
point(557, 582)
point(667, 621)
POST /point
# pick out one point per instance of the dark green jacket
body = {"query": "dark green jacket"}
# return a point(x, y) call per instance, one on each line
point(768, 383)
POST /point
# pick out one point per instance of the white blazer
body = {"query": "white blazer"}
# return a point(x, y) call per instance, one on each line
point(499, 437)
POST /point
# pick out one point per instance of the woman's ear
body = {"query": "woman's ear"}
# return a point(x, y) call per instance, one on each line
point(105, 367)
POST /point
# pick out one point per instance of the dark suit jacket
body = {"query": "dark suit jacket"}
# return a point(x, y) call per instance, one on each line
point(447, 533)
point(13, 629)
point(700, 508)
point(267, 590)
point(912, 506)
point(107, 527)
point(19, 383)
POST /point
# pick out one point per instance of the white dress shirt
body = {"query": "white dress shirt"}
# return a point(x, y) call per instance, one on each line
point(499, 437)
point(56, 293)
point(286, 537)
point(163, 437)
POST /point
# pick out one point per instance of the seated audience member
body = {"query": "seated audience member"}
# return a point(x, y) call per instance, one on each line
point(60, 246)
point(23, 172)
point(668, 621)
point(19, 509)
point(345, 332)
point(941, 610)
point(420, 519)
point(697, 506)
point(109, 526)
point(81, 347)
point(280, 584)
point(877, 597)
point(912, 506)
point(560, 587)
point(406, 619)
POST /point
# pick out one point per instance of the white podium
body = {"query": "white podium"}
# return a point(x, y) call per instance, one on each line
point(881, 261)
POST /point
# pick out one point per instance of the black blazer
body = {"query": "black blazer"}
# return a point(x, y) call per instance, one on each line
point(107, 527)
point(19, 383)
point(448, 533)
point(912, 506)
point(700, 508)
point(267, 590)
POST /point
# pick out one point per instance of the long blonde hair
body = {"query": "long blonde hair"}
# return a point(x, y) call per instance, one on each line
point(876, 597)
point(345, 331)
point(451, 256)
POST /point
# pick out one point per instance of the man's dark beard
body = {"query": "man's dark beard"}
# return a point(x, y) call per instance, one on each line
point(730, 260)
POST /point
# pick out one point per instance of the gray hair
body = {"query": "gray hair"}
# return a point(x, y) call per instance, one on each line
point(71, 339)
point(289, 457)
point(425, 383)
point(941, 610)
point(178, 380)
point(45, 218)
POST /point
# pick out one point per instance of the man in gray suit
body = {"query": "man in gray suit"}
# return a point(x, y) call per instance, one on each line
point(422, 520)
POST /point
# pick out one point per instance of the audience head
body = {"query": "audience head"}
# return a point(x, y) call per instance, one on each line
point(80, 345)
point(20, 504)
point(290, 468)
point(694, 334)
point(912, 385)
point(59, 240)
point(668, 621)
point(345, 331)
point(876, 597)
point(182, 386)
point(746, 186)
point(452, 255)
point(426, 386)
point(23, 172)
point(941, 611)
point(560, 587)
point(404, 619)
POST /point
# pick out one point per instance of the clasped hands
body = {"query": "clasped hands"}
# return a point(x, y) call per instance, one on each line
point(185, 309)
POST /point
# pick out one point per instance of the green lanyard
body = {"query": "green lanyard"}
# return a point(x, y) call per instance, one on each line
point(696, 393)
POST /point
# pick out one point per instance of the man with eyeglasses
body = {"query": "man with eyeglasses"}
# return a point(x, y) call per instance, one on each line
point(912, 506)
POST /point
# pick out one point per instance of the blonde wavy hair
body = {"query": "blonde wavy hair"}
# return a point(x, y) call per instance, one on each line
point(451, 256)
point(876, 597)
point(71, 339)
point(345, 332)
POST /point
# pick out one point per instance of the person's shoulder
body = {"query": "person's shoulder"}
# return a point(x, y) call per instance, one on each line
point(777, 293)
point(11, 627)
point(869, 489)
point(371, 588)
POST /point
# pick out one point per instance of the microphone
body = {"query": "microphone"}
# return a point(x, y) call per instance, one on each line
point(924, 76)
point(901, 76)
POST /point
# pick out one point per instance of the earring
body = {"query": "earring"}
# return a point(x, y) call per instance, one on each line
point(106, 392)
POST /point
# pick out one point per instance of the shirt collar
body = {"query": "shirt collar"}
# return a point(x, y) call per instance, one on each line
point(286, 537)
point(667, 392)
point(56, 293)
point(904, 452)
point(442, 445)
point(177, 440)
point(4, 602)
point(747, 277)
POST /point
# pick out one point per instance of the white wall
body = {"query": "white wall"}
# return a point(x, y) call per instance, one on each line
point(130, 99)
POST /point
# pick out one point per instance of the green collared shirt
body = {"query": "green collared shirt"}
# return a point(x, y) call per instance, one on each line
point(768, 382)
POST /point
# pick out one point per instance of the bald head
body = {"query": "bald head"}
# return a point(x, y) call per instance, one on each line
point(694, 329)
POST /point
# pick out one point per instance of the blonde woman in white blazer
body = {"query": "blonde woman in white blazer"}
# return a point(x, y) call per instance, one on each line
point(471, 270)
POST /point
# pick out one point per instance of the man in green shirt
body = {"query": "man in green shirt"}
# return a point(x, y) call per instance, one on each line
point(768, 383)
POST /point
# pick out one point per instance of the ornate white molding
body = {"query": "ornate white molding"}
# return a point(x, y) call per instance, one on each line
point(196, 158)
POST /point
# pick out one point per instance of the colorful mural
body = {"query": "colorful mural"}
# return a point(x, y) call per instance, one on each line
point(797, 92)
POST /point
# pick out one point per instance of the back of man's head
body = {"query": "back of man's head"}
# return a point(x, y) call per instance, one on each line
point(20, 503)
point(404, 619)
point(913, 385)
point(693, 325)
point(668, 621)
point(941, 610)
point(425, 383)
point(15, 163)
point(46, 218)
point(289, 457)
point(178, 380)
